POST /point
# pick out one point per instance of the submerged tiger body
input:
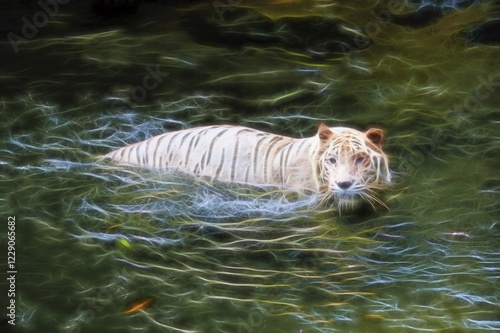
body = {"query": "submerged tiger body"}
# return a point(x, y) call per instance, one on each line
point(338, 162)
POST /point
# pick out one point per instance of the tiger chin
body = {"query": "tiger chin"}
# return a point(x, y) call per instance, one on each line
point(340, 164)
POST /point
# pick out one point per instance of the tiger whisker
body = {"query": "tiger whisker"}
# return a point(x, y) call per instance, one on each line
point(371, 198)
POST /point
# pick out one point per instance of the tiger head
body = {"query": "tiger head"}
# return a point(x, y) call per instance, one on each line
point(352, 165)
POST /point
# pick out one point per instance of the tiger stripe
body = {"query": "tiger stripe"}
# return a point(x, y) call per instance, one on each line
point(234, 160)
point(268, 168)
point(212, 143)
point(255, 156)
point(157, 143)
point(169, 146)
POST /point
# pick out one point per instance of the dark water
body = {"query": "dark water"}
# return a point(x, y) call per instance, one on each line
point(91, 238)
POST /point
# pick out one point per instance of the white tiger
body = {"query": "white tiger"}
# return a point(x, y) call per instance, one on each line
point(337, 162)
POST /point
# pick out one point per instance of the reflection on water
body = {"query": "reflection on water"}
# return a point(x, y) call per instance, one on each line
point(95, 239)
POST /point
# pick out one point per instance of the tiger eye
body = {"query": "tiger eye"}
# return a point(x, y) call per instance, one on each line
point(361, 159)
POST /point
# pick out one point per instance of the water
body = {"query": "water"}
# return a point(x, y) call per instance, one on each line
point(92, 237)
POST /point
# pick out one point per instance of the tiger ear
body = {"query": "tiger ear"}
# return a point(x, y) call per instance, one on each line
point(324, 133)
point(375, 135)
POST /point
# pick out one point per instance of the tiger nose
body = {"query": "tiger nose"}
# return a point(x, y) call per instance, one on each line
point(344, 185)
